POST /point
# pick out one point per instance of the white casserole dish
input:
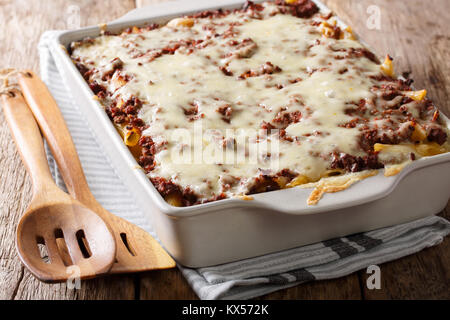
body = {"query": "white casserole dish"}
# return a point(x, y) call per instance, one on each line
point(234, 229)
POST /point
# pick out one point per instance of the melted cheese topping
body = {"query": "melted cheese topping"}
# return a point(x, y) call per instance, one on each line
point(272, 66)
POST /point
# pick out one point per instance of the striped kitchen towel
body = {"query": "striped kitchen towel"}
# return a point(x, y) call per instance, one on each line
point(251, 277)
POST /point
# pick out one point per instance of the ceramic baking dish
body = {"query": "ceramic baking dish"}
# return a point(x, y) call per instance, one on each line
point(233, 229)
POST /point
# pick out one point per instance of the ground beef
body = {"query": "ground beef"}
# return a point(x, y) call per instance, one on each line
point(354, 164)
point(167, 187)
point(286, 118)
point(362, 52)
point(372, 136)
point(83, 70)
point(148, 150)
point(252, 6)
point(226, 111)
point(98, 89)
point(437, 135)
point(116, 115)
point(264, 183)
point(287, 173)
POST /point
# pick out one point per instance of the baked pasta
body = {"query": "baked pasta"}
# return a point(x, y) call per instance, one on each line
point(285, 92)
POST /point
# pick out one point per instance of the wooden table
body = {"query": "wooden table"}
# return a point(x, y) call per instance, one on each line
point(415, 32)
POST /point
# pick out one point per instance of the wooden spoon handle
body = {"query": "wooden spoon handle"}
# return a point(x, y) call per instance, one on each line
point(28, 139)
point(54, 128)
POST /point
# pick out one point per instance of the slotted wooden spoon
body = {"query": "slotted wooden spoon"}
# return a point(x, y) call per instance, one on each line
point(137, 250)
point(71, 233)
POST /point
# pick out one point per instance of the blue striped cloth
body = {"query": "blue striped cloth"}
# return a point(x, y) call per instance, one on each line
point(251, 277)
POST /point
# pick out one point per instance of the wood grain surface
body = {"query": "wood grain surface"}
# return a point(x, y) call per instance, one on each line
point(414, 32)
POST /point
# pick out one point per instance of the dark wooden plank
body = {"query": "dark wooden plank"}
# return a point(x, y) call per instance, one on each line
point(345, 288)
point(170, 284)
point(165, 285)
point(425, 275)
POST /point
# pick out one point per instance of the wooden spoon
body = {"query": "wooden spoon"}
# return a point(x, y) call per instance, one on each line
point(137, 250)
point(72, 234)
